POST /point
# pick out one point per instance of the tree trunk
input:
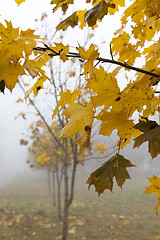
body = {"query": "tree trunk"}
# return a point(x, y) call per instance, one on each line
point(59, 200)
point(49, 182)
point(59, 180)
point(66, 197)
point(54, 188)
point(73, 176)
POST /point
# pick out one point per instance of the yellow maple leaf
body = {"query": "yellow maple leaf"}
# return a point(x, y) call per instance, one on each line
point(61, 3)
point(62, 49)
point(90, 55)
point(9, 71)
point(81, 114)
point(134, 97)
point(34, 66)
point(125, 50)
point(66, 98)
point(112, 120)
point(80, 15)
point(154, 188)
point(69, 21)
point(116, 2)
point(43, 158)
point(37, 86)
point(19, 1)
point(101, 148)
point(19, 100)
point(107, 94)
point(10, 40)
point(8, 33)
point(14, 45)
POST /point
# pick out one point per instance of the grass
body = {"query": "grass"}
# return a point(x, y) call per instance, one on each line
point(26, 212)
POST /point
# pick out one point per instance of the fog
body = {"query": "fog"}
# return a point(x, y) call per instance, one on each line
point(12, 154)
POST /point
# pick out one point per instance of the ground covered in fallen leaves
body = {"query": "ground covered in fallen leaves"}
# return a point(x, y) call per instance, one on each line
point(27, 212)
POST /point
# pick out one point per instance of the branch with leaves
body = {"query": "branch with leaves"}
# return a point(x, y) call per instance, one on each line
point(102, 96)
point(99, 59)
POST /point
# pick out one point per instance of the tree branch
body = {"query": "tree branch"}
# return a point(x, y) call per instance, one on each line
point(48, 127)
point(104, 60)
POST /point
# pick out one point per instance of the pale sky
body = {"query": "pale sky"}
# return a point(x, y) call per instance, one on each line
point(24, 15)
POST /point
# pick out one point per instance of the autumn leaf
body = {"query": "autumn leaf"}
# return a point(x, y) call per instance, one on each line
point(146, 126)
point(2, 86)
point(42, 158)
point(8, 34)
point(8, 69)
point(81, 20)
point(90, 55)
point(70, 21)
point(20, 41)
point(66, 98)
point(71, 74)
point(62, 49)
point(84, 138)
point(73, 20)
point(81, 114)
point(72, 230)
point(37, 86)
point(151, 134)
point(107, 94)
point(61, 3)
point(23, 142)
point(101, 148)
point(112, 120)
point(154, 188)
point(102, 178)
point(19, 1)
point(19, 100)
point(11, 75)
point(34, 66)
point(14, 45)
point(97, 12)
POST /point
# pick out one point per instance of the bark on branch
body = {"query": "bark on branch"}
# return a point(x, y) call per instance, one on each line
point(104, 60)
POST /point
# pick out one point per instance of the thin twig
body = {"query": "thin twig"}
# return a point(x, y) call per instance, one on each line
point(111, 52)
point(101, 157)
point(48, 127)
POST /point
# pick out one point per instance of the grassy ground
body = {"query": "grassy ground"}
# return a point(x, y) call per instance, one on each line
point(26, 212)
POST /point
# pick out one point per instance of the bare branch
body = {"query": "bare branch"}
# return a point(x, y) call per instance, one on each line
point(44, 121)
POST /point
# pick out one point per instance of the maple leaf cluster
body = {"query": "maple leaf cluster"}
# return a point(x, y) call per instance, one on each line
point(104, 101)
